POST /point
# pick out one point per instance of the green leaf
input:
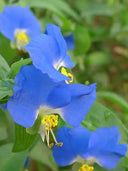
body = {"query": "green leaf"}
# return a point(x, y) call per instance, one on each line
point(100, 116)
point(35, 128)
point(115, 98)
point(92, 8)
point(43, 154)
point(98, 59)
point(3, 119)
point(60, 7)
point(15, 67)
point(2, 4)
point(5, 89)
point(23, 140)
point(11, 161)
point(6, 50)
point(82, 40)
point(3, 133)
point(4, 68)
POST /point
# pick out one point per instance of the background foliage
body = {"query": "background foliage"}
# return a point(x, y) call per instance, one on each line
point(100, 28)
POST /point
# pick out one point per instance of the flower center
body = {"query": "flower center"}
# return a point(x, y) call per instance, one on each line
point(85, 167)
point(50, 121)
point(22, 36)
point(63, 71)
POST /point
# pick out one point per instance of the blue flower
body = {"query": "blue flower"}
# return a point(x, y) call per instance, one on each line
point(100, 146)
point(70, 41)
point(75, 142)
point(49, 52)
point(104, 148)
point(17, 21)
point(36, 93)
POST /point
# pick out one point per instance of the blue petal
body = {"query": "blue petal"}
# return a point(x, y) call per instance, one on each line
point(31, 92)
point(109, 160)
point(60, 96)
point(42, 50)
point(16, 17)
point(67, 62)
point(55, 32)
point(30, 23)
point(104, 147)
point(83, 98)
point(74, 140)
point(48, 53)
point(105, 137)
point(70, 41)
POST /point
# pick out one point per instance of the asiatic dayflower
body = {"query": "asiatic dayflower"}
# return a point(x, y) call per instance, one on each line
point(19, 25)
point(49, 53)
point(70, 41)
point(100, 146)
point(36, 94)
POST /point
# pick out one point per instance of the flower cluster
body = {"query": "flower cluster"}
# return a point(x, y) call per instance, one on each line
point(46, 87)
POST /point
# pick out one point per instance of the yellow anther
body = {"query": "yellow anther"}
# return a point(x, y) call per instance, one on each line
point(50, 121)
point(85, 167)
point(22, 36)
point(51, 145)
point(63, 71)
point(59, 144)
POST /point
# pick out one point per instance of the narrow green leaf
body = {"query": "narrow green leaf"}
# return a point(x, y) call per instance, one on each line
point(43, 154)
point(3, 133)
point(5, 49)
point(15, 67)
point(11, 161)
point(66, 9)
point(60, 7)
point(4, 68)
point(115, 98)
point(23, 140)
point(35, 128)
point(5, 89)
point(97, 9)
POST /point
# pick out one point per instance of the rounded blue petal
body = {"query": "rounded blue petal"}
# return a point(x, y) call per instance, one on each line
point(109, 160)
point(49, 52)
point(83, 98)
point(16, 17)
point(60, 96)
point(104, 147)
point(30, 93)
point(74, 140)
point(55, 32)
point(43, 50)
point(70, 41)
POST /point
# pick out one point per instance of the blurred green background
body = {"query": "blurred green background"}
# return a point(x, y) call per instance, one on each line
point(100, 28)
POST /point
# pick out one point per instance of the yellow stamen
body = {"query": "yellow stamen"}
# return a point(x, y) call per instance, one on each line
point(50, 121)
point(63, 71)
point(85, 167)
point(22, 36)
